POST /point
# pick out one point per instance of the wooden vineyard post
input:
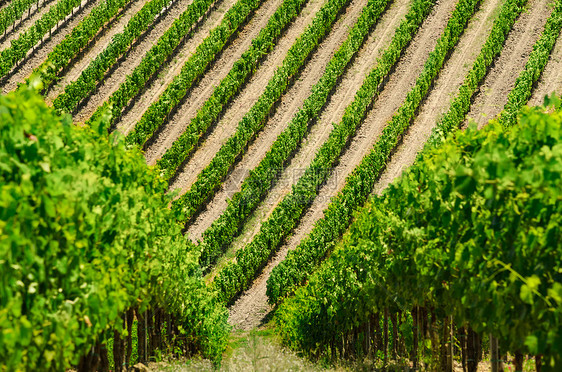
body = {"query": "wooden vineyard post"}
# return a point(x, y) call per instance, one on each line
point(472, 350)
point(518, 361)
point(104, 360)
point(385, 331)
point(130, 318)
point(415, 326)
point(451, 344)
point(394, 320)
point(494, 354)
point(446, 338)
point(149, 334)
point(401, 349)
point(378, 331)
point(463, 344)
point(141, 336)
point(169, 337)
point(425, 329)
point(368, 337)
point(118, 357)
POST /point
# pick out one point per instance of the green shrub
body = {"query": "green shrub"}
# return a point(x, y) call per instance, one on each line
point(472, 231)
point(85, 234)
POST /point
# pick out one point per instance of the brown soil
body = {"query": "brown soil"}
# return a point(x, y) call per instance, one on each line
point(252, 306)
point(501, 78)
point(134, 56)
point(551, 79)
point(333, 112)
point(445, 89)
point(166, 77)
point(344, 94)
point(36, 57)
point(390, 99)
point(19, 26)
point(289, 105)
point(250, 310)
point(204, 89)
point(226, 127)
point(98, 46)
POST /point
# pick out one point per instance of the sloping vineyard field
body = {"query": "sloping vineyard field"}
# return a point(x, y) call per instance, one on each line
point(272, 122)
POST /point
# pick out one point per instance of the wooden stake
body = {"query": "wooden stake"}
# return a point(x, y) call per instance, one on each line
point(494, 354)
point(472, 350)
point(385, 331)
point(415, 331)
point(130, 317)
point(518, 362)
point(451, 343)
point(394, 320)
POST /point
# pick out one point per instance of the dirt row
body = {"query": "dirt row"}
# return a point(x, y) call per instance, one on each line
point(197, 97)
point(170, 71)
point(19, 26)
point(444, 91)
point(551, 79)
point(248, 309)
point(344, 94)
point(226, 127)
point(101, 41)
point(501, 78)
point(456, 69)
point(251, 308)
point(289, 105)
point(37, 56)
point(132, 59)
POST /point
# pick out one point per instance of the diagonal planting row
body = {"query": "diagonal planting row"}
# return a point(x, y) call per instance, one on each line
point(551, 77)
point(86, 83)
point(440, 244)
point(492, 96)
point(73, 43)
point(180, 117)
point(229, 86)
point(195, 66)
point(460, 106)
point(302, 262)
point(210, 179)
point(534, 67)
point(157, 55)
point(28, 39)
point(236, 276)
point(223, 230)
point(14, 11)
point(434, 107)
point(288, 213)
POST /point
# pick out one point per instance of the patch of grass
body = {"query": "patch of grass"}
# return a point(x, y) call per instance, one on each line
point(257, 350)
